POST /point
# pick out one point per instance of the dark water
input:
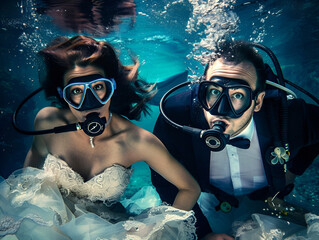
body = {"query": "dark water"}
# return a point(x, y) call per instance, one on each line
point(168, 36)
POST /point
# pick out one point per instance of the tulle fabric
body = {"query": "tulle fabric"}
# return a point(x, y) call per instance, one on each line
point(56, 203)
point(264, 227)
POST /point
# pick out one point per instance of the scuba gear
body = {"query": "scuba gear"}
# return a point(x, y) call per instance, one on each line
point(88, 92)
point(213, 104)
point(214, 138)
point(217, 140)
point(225, 96)
point(93, 125)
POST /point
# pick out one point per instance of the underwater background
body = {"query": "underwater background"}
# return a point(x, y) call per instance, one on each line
point(170, 38)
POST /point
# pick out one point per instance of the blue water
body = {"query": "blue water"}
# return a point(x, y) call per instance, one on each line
point(169, 37)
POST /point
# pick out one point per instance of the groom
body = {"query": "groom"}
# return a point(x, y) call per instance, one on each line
point(236, 180)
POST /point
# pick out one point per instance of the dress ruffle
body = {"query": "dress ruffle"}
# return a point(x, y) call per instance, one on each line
point(263, 227)
point(55, 203)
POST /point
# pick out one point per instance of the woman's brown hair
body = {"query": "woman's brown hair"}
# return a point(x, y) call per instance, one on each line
point(63, 54)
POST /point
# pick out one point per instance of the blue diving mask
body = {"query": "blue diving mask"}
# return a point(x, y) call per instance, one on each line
point(226, 96)
point(88, 92)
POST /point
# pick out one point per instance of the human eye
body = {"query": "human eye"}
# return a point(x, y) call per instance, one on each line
point(238, 93)
point(213, 92)
point(99, 86)
point(76, 91)
point(238, 96)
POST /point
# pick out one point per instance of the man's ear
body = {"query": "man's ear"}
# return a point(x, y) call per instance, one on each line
point(259, 101)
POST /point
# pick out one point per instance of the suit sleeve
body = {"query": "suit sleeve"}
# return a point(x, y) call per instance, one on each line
point(303, 135)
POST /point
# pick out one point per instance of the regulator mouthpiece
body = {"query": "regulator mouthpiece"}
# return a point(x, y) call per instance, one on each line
point(93, 125)
point(215, 138)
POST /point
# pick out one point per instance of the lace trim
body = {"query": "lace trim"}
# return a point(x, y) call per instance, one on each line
point(107, 186)
point(8, 225)
point(24, 184)
point(162, 222)
point(184, 225)
point(311, 218)
point(313, 224)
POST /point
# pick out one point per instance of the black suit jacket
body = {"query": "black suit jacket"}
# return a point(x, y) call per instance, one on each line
point(191, 151)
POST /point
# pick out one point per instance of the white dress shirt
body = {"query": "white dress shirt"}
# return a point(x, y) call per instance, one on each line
point(239, 171)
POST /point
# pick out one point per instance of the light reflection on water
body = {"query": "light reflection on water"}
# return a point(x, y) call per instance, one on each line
point(168, 37)
point(88, 17)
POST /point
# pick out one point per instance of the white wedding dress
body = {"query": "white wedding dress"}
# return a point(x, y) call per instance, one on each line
point(56, 203)
point(265, 227)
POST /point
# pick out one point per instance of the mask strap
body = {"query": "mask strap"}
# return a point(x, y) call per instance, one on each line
point(256, 94)
point(60, 92)
point(114, 83)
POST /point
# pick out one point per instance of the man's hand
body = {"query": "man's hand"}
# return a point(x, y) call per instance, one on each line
point(217, 236)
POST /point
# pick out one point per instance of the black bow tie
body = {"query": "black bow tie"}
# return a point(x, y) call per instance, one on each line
point(240, 142)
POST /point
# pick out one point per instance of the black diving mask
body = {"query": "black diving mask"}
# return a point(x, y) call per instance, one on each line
point(88, 92)
point(225, 96)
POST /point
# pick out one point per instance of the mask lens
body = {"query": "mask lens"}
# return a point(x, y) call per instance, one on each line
point(102, 89)
point(213, 95)
point(75, 93)
point(240, 98)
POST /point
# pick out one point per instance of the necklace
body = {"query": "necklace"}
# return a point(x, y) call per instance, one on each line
point(107, 123)
point(91, 142)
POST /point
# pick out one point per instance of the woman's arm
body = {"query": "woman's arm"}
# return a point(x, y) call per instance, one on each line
point(36, 154)
point(38, 150)
point(158, 158)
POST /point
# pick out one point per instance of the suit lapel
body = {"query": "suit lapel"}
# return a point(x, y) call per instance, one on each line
point(265, 140)
point(267, 125)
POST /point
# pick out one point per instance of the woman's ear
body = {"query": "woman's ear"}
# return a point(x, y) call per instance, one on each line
point(259, 101)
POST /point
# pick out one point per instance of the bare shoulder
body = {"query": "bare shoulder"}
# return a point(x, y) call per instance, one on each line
point(47, 118)
point(50, 117)
point(50, 114)
point(142, 137)
point(147, 147)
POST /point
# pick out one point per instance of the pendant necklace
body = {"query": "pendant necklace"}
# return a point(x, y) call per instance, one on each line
point(91, 142)
point(107, 123)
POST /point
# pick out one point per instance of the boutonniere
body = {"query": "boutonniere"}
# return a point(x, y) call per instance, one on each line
point(279, 155)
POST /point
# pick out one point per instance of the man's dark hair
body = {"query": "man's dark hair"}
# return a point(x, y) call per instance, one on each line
point(239, 51)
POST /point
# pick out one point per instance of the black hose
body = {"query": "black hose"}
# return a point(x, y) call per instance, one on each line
point(173, 124)
point(15, 114)
point(274, 60)
point(303, 91)
point(66, 128)
point(284, 101)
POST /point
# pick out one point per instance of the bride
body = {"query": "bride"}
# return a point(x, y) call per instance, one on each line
point(72, 182)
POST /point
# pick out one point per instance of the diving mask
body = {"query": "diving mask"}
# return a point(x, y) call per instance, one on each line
point(88, 92)
point(225, 96)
